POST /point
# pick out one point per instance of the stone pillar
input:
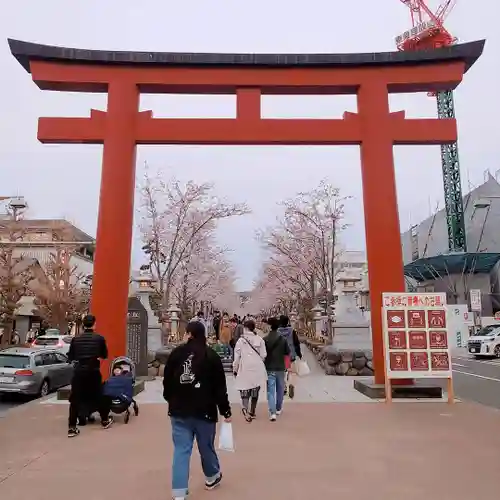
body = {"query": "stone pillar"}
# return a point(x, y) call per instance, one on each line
point(174, 319)
point(317, 320)
point(145, 289)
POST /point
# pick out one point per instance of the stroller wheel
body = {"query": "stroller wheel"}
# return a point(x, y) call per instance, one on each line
point(127, 416)
point(136, 409)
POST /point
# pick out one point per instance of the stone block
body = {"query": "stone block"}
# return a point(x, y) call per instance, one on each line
point(346, 362)
point(416, 391)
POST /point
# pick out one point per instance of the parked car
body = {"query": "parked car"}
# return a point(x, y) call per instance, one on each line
point(485, 342)
point(33, 372)
point(59, 342)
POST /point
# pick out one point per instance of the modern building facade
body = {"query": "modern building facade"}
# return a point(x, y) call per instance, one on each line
point(430, 267)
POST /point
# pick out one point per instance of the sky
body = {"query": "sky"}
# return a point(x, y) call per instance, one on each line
point(63, 180)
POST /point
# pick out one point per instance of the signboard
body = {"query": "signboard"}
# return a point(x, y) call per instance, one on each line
point(415, 31)
point(415, 330)
point(475, 300)
point(137, 335)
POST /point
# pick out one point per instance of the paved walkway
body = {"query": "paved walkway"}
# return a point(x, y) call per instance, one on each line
point(377, 451)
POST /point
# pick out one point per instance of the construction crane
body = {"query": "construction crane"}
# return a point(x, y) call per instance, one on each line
point(428, 32)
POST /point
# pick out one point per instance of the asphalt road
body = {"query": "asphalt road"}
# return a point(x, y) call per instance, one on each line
point(477, 379)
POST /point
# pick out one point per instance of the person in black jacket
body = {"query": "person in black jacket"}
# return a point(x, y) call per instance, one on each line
point(277, 348)
point(85, 351)
point(194, 386)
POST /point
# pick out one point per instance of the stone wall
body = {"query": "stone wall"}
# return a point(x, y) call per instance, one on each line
point(336, 361)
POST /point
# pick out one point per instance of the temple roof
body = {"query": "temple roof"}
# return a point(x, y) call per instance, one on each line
point(25, 52)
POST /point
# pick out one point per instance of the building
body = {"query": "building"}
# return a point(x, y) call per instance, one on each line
point(430, 267)
point(37, 241)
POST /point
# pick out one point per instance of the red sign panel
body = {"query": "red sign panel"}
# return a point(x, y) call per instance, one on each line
point(416, 319)
point(440, 361)
point(398, 361)
point(396, 319)
point(417, 340)
point(419, 361)
point(438, 339)
point(397, 340)
point(437, 318)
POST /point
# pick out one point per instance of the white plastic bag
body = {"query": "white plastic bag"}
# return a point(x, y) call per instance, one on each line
point(302, 368)
point(226, 441)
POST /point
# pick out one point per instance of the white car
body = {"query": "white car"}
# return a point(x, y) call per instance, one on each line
point(486, 342)
point(59, 342)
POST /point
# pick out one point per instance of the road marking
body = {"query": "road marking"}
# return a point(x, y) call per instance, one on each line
point(458, 364)
point(494, 362)
point(478, 376)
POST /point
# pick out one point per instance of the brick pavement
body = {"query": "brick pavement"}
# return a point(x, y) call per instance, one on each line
point(403, 451)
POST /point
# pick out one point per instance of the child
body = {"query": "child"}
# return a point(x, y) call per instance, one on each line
point(120, 385)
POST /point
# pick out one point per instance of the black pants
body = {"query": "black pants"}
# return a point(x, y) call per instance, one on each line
point(86, 395)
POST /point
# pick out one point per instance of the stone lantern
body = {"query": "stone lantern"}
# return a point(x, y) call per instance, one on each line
point(144, 291)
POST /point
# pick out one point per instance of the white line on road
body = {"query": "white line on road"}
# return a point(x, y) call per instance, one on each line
point(476, 375)
point(458, 364)
point(481, 361)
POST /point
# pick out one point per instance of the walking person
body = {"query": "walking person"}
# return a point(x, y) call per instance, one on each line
point(290, 335)
point(277, 349)
point(216, 323)
point(86, 350)
point(194, 386)
point(249, 369)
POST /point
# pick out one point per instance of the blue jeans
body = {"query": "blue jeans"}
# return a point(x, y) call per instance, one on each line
point(275, 391)
point(184, 430)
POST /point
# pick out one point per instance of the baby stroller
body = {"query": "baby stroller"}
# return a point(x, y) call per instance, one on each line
point(119, 388)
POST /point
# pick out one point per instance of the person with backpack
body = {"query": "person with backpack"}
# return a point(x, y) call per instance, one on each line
point(277, 350)
point(290, 335)
point(195, 389)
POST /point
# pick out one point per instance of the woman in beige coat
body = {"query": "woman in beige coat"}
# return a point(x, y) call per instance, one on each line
point(249, 369)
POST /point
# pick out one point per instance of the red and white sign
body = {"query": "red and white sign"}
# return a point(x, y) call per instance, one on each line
point(416, 335)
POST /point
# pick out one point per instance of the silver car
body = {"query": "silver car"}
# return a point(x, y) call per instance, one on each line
point(33, 372)
point(59, 342)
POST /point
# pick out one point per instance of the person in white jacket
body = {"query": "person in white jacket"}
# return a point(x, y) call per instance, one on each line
point(249, 369)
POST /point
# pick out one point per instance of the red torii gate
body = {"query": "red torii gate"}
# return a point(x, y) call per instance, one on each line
point(124, 75)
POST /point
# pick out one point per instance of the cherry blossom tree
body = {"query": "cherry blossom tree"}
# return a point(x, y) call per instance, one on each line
point(61, 292)
point(17, 271)
point(178, 222)
point(303, 246)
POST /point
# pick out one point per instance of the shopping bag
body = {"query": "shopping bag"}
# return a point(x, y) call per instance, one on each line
point(226, 441)
point(302, 368)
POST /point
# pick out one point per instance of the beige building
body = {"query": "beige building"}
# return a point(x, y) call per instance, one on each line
point(36, 241)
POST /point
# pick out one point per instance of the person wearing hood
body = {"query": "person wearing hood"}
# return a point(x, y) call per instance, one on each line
point(290, 335)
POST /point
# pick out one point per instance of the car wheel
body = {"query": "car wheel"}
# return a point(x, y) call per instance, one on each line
point(497, 351)
point(44, 389)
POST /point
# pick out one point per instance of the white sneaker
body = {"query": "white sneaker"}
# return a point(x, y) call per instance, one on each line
point(272, 418)
point(279, 412)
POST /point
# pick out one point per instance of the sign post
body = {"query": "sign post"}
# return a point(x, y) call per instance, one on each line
point(475, 301)
point(415, 333)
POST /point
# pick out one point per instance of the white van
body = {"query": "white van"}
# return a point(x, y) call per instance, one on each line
point(485, 342)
